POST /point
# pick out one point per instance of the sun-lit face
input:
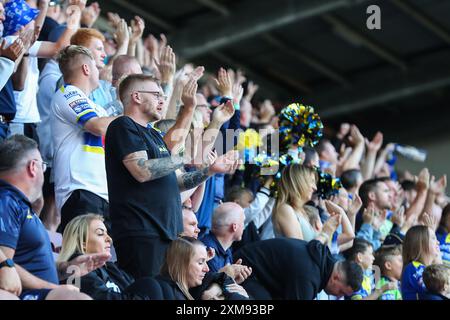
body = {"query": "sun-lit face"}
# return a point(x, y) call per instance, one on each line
point(190, 223)
point(153, 100)
point(434, 249)
point(98, 240)
point(366, 259)
point(396, 263)
point(98, 51)
point(197, 267)
point(383, 196)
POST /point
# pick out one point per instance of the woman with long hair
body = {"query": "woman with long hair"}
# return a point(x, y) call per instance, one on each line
point(87, 234)
point(295, 189)
point(185, 268)
point(290, 218)
point(420, 249)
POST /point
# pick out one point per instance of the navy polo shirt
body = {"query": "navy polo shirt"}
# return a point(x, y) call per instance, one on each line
point(7, 101)
point(22, 230)
point(222, 257)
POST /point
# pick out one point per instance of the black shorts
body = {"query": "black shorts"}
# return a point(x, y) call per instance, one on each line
point(83, 202)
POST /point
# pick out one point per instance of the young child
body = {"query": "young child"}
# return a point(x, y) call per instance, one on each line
point(437, 280)
point(362, 253)
point(389, 260)
point(420, 249)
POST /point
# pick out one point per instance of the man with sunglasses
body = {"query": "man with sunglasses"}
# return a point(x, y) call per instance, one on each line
point(144, 182)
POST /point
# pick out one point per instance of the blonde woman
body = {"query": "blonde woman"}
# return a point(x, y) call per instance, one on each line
point(289, 217)
point(86, 234)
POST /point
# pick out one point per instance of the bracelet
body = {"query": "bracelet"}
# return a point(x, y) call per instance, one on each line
point(26, 54)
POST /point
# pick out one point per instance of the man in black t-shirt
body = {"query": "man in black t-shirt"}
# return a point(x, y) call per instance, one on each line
point(144, 189)
point(293, 269)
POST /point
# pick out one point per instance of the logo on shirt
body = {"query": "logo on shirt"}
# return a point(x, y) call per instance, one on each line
point(29, 215)
point(72, 94)
point(163, 149)
point(79, 105)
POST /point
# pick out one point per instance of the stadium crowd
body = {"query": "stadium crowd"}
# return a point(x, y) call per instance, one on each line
point(126, 176)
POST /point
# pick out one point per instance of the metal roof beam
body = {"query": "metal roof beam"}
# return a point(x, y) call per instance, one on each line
point(350, 33)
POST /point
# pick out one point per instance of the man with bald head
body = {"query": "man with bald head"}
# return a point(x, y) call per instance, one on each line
point(123, 66)
point(227, 227)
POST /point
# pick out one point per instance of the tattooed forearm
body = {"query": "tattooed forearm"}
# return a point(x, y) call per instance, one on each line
point(190, 180)
point(156, 168)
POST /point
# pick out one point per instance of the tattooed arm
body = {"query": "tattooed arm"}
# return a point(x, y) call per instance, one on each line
point(227, 163)
point(191, 180)
point(144, 169)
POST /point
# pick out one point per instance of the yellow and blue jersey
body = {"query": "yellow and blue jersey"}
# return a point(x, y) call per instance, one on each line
point(394, 294)
point(444, 245)
point(366, 289)
point(412, 283)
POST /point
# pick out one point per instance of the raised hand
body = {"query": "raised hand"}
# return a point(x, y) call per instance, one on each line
point(330, 226)
point(226, 163)
point(167, 65)
point(430, 221)
point(333, 208)
point(439, 186)
point(355, 206)
point(368, 215)
point(90, 14)
point(223, 113)
point(14, 51)
point(122, 35)
point(113, 19)
point(356, 137)
point(80, 3)
point(84, 264)
point(137, 28)
point(197, 73)
point(73, 17)
point(188, 97)
point(376, 142)
point(423, 180)
point(251, 90)
point(240, 77)
point(223, 83)
point(236, 288)
point(344, 129)
point(211, 157)
point(399, 217)
point(237, 91)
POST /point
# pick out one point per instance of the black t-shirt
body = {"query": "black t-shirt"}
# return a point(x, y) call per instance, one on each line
point(149, 209)
point(290, 269)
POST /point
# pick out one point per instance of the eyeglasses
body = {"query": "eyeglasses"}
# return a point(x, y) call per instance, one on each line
point(157, 94)
point(44, 164)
